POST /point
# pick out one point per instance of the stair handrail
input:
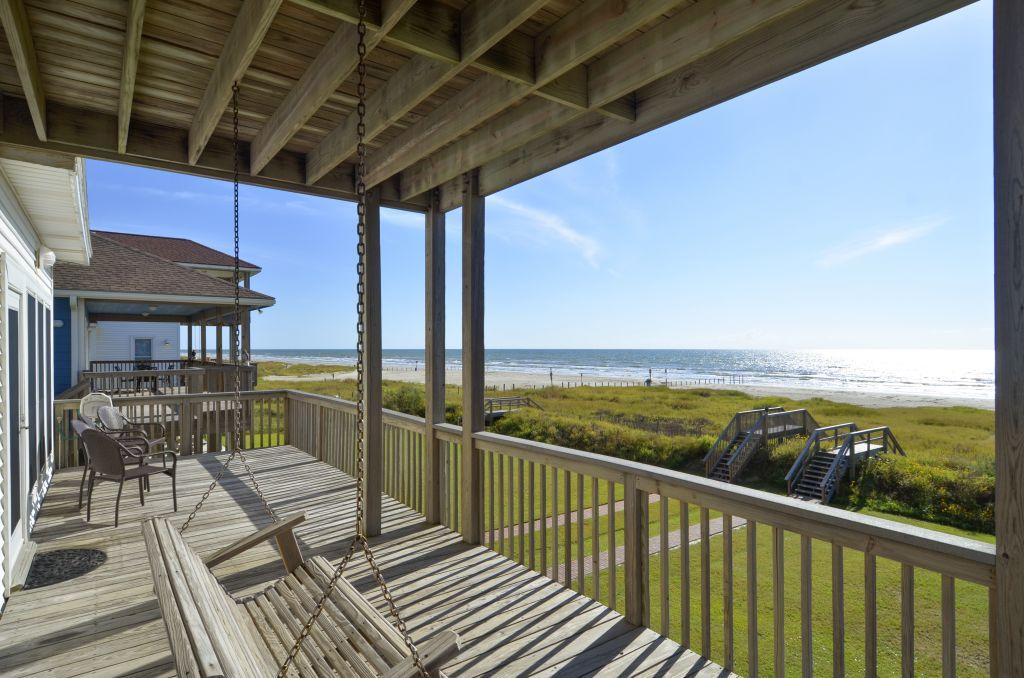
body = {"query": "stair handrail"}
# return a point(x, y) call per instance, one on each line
point(806, 454)
point(729, 433)
point(818, 436)
point(836, 468)
point(750, 444)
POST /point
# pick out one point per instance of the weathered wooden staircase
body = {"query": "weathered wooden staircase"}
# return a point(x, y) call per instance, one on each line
point(747, 433)
point(831, 453)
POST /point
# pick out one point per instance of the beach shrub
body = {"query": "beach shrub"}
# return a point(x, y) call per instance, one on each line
point(939, 494)
point(600, 437)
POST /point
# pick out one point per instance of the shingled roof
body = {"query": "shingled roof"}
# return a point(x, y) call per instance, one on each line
point(116, 267)
point(179, 250)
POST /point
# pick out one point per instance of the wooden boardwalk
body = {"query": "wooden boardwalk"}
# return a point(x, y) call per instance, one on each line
point(512, 621)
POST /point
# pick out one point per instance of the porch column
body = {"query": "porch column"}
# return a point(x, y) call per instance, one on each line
point(472, 355)
point(373, 423)
point(246, 334)
point(233, 338)
point(188, 343)
point(202, 340)
point(220, 342)
point(1008, 89)
point(434, 356)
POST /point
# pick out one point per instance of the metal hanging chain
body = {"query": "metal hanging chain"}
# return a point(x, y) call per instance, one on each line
point(236, 405)
point(359, 541)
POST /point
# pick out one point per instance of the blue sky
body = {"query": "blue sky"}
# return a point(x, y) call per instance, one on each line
point(848, 206)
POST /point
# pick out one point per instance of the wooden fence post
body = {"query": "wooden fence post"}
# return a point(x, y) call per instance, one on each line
point(637, 561)
point(434, 358)
point(472, 356)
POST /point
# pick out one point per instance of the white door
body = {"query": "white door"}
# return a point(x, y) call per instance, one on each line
point(15, 457)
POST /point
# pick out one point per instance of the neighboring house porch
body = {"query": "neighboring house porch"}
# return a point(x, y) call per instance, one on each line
point(123, 313)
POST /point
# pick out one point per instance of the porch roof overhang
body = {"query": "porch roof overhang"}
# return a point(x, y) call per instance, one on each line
point(182, 309)
point(514, 88)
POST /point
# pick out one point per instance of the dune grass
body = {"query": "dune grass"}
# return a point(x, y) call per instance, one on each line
point(947, 477)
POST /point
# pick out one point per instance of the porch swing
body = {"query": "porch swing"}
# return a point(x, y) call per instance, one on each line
point(312, 621)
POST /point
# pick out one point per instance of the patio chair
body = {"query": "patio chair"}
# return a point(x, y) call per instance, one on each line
point(138, 447)
point(90, 405)
point(111, 460)
point(113, 422)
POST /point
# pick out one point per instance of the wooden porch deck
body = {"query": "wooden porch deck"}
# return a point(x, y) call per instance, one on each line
point(512, 621)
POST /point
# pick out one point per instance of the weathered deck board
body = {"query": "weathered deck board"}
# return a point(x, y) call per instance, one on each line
point(511, 620)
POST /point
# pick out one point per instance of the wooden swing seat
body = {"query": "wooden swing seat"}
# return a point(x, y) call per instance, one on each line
point(213, 634)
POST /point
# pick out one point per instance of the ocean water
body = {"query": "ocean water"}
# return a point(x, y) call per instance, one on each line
point(960, 374)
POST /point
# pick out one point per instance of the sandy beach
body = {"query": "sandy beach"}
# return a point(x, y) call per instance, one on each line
point(511, 379)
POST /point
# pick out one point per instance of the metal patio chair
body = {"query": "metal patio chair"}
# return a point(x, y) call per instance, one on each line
point(112, 460)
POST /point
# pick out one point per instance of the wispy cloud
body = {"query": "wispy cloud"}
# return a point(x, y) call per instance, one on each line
point(547, 226)
point(878, 241)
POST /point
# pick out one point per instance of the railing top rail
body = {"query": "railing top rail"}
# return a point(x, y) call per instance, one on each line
point(835, 427)
point(178, 398)
point(177, 371)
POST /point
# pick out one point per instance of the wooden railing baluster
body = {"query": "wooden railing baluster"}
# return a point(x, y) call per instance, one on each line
point(907, 619)
point(705, 583)
point(838, 613)
point(752, 666)
point(806, 623)
point(727, 592)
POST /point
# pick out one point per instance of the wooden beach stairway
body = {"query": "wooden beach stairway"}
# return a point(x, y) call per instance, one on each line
point(747, 433)
point(496, 408)
point(833, 451)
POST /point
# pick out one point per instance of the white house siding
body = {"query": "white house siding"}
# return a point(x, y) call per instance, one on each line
point(111, 340)
point(22, 282)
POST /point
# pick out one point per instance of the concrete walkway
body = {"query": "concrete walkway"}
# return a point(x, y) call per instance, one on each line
point(715, 527)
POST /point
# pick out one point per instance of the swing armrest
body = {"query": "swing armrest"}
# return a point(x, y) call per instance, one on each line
point(433, 653)
point(280, 530)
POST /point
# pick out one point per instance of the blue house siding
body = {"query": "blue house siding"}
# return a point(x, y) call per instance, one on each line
point(61, 344)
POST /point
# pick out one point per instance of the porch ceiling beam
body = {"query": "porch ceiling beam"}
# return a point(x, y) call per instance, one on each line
point(483, 22)
point(817, 31)
point(138, 317)
point(587, 30)
point(19, 38)
point(331, 67)
point(129, 68)
point(433, 30)
point(691, 34)
point(251, 24)
point(77, 132)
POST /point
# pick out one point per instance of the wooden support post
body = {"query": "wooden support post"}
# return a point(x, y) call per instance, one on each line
point(373, 422)
point(434, 357)
point(1008, 40)
point(188, 341)
point(220, 343)
point(638, 599)
point(202, 341)
point(233, 338)
point(472, 355)
point(246, 336)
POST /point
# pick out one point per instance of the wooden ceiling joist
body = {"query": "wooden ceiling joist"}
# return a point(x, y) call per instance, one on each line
point(484, 22)
point(581, 34)
point(813, 33)
point(78, 132)
point(246, 35)
point(332, 66)
point(19, 39)
point(129, 68)
point(691, 34)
